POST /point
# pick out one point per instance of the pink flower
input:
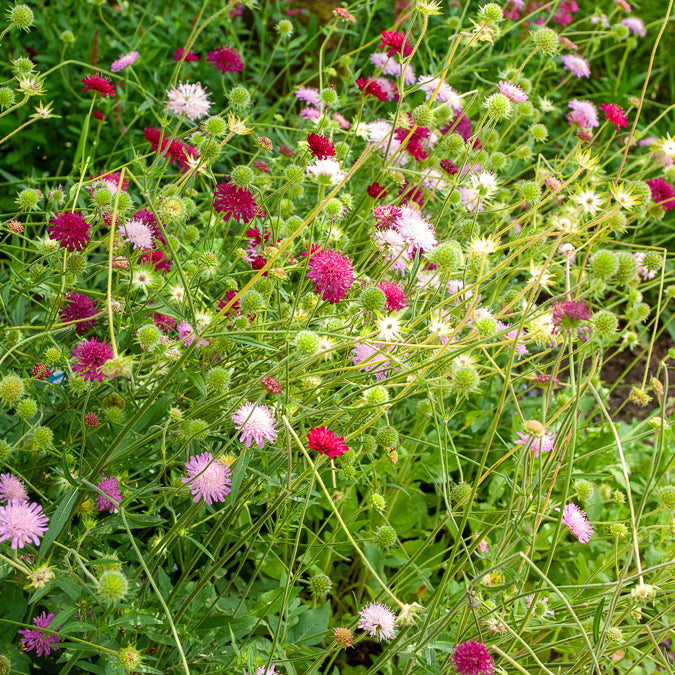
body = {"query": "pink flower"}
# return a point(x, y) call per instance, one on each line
point(33, 638)
point(186, 333)
point(635, 25)
point(577, 522)
point(662, 193)
point(332, 275)
point(378, 621)
point(544, 444)
point(189, 99)
point(577, 65)
point(22, 522)
point(110, 486)
point(615, 114)
point(124, 61)
point(416, 230)
point(71, 230)
point(472, 658)
point(189, 57)
point(208, 479)
point(136, 232)
point(372, 359)
point(512, 91)
point(326, 442)
point(234, 202)
point(91, 355)
point(12, 489)
point(78, 307)
point(643, 271)
point(309, 95)
point(99, 83)
point(256, 423)
point(584, 113)
point(396, 42)
point(395, 296)
point(226, 60)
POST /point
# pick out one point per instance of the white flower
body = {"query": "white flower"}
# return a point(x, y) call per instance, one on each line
point(390, 328)
point(143, 279)
point(485, 182)
point(191, 100)
point(328, 169)
point(589, 201)
point(539, 276)
point(177, 293)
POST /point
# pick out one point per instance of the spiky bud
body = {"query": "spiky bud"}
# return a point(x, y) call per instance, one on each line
point(21, 17)
point(149, 335)
point(530, 191)
point(491, 12)
point(387, 437)
point(485, 326)
point(498, 106)
point(465, 380)
point(7, 98)
point(628, 267)
point(652, 261)
point(618, 530)
point(423, 115)
point(329, 96)
point(334, 208)
point(447, 256)
point(239, 98)
point(459, 494)
point(385, 537)
point(605, 323)
point(320, 586)
point(546, 40)
point(343, 636)
point(26, 408)
point(376, 396)
point(218, 380)
point(242, 176)
point(604, 265)
point(615, 635)
point(377, 501)
point(173, 211)
point(643, 593)
point(584, 489)
point(498, 161)
point(307, 342)
point(129, 658)
point(115, 415)
point(539, 132)
point(666, 496)
point(373, 299)
point(52, 356)
point(616, 222)
point(251, 302)
point(6, 664)
point(284, 28)
point(12, 390)
point(27, 200)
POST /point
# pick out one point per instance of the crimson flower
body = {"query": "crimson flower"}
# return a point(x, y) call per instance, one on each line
point(662, 193)
point(396, 42)
point(320, 146)
point(190, 56)
point(615, 114)
point(376, 191)
point(71, 230)
point(226, 59)
point(79, 306)
point(449, 167)
point(234, 202)
point(332, 274)
point(326, 442)
point(90, 355)
point(100, 84)
point(371, 87)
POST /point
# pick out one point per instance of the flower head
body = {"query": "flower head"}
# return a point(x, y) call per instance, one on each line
point(395, 296)
point(71, 230)
point(396, 42)
point(472, 658)
point(577, 522)
point(189, 99)
point(124, 61)
point(378, 621)
point(208, 479)
point(570, 315)
point(189, 57)
point(373, 88)
point(512, 91)
point(91, 355)
point(186, 333)
point(138, 233)
point(332, 275)
point(662, 193)
point(33, 638)
point(226, 59)
point(325, 171)
point(545, 443)
point(615, 114)
point(78, 307)
point(326, 442)
point(320, 146)
point(372, 358)
point(12, 489)
point(256, 423)
point(583, 113)
point(235, 202)
point(576, 64)
point(99, 83)
point(22, 522)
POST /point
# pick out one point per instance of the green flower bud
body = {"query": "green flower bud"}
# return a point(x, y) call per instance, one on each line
point(42, 438)
point(12, 390)
point(620, 31)
point(218, 380)
point(175, 415)
point(239, 98)
point(209, 152)
point(284, 28)
point(369, 444)
point(628, 267)
point(76, 263)
point(387, 438)
point(546, 40)
point(149, 335)
point(385, 537)
point(113, 587)
point(21, 17)
point(115, 415)
point(68, 38)
point(465, 380)
point(666, 496)
point(525, 109)
point(7, 98)
point(26, 408)
point(23, 66)
point(530, 191)
point(172, 211)
point(216, 126)
point(498, 161)
point(376, 396)
point(459, 494)
point(539, 132)
point(101, 197)
point(423, 115)
point(27, 200)
point(329, 96)
point(604, 265)
point(307, 342)
point(294, 173)
point(447, 256)
point(614, 635)
point(616, 222)
point(334, 208)
point(320, 586)
point(605, 324)
point(373, 299)
point(5, 451)
point(641, 191)
point(454, 143)
point(652, 261)
point(491, 12)
point(251, 302)
point(584, 489)
point(498, 106)
point(242, 176)
point(377, 501)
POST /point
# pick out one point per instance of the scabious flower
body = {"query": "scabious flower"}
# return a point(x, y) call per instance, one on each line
point(615, 114)
point(577, 522)
point(22, 523)
point(71, 230)
point(91, 355)
point(178, 152)
point(372, 88)
point(376, 191)
point(326, 442)
point(226, 59)
point(189, 99)
point(79, 306)
point(372, 358)
point(186, 333)
point(189, 57)
point(332, 275)
point(583, 114)
point(208, 479)
point(416, 230)
point(662, 193)
point(378, 621)
point(472, 658)
point(571, 315)
point(124, 61)
point(320, 146)
point(512, 91)
point(110, 486)
point(544, 444)
point(264, 670)
point(395, 296)
point(576, 64)
point(326, 170)
point(33, 638)
point(99, 83)
point(396, 42)
point(309, 95)
point(136, 232)
point(234, 202)
point(256, 423)
point(445, 94)
point(12, 489)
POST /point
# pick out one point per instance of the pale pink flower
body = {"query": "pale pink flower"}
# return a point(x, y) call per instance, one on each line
point(124, 61)
point(256, 423)
point(22, 522)
point(186, 333)
point(12, 489)
point(544, 444)
point(576, 64)
point(512, 91)
point(136, 232)
point(577, 522)
point(584, 113)
point(378, 621)
point(446, 94)
point(208, 479)
point(189, 99)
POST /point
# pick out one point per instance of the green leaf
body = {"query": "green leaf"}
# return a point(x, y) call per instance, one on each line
point(58, 520)
point(597, 619)
point(311, 626)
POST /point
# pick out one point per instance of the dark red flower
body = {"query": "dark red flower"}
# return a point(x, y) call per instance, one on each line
point(41, 371)
point(320, 146)
point(326, 442)
point(285, 150)
point(662, 193)
point(175, 150)
point(79, 306)
point(258, 263)
point(226, 59)
point(71, 230)
point(415, 144)
point(262, 166)
point(225, 301)
point(411, 194)
point(376, 191)
point(159, 261)
point(615, 114)
point(99, 83)
point(234, 202)
point(396, 42)
point(449, 167)
point(91, 420)
point(99, 115)
point(189, 57)
point(394, 295)
point(272, 385)
point(472, 658)
point(372, 88)
point(332, 274)
point(385, 216)
point(165, 323)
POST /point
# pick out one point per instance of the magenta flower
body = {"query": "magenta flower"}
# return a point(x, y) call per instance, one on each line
point(189, 57)
point(33, 638)
point(187, 334)
point(572, 315)
point(326, 442)
point(472, 658)
point(544, 444)
point(22, 522)
point(577, 65)
point(91, 355)
point(234, 202)
point(378, 621)
point(208, 479)
point(662, 193)
point(226, 60)
point(124, 61)
point(332, 275)
point(395, 296)
point(99, 84)
point(79, 306)
point(256, 423)
point(12, 489)
point(71, 230)
point(615, 114)
point(110, 486)
point(577, 522)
